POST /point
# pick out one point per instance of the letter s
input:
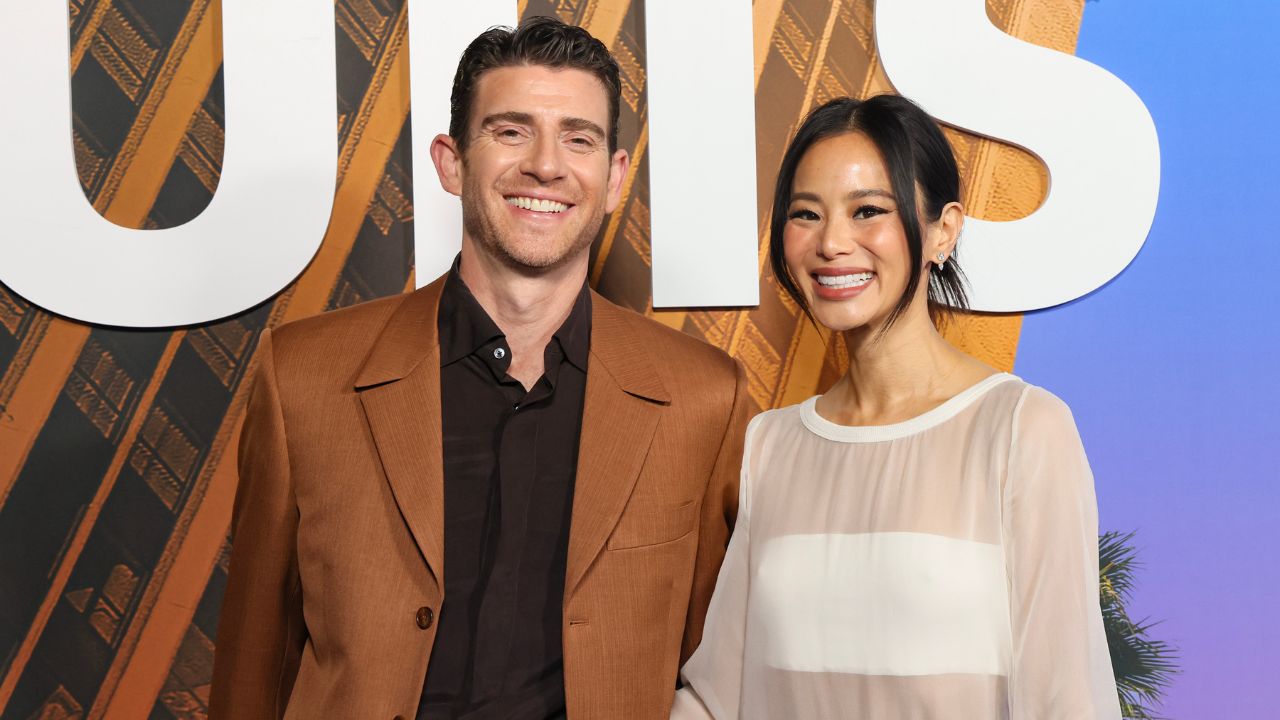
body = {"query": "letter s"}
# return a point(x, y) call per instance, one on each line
point(1091, 130)
point(265, 222)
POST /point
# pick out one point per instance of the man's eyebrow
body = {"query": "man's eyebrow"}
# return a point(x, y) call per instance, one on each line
point(576, 124)
point(581, 125)
point(511, 116)
point(855, 195)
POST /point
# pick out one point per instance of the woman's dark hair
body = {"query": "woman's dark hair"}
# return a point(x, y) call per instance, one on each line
point(915, 153)
point(538, 40)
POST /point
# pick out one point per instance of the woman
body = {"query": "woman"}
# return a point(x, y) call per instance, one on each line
point(920, 541)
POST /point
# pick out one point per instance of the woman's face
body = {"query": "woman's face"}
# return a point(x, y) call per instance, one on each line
point(843, 240)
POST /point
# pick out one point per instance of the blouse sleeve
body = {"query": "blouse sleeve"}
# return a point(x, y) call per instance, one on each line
point(1061, 667)
point(712, 677)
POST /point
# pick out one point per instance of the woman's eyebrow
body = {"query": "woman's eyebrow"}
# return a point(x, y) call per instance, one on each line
point(855, 195)
point(870, 192)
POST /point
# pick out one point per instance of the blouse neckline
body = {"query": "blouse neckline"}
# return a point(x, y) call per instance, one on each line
point(879, 433)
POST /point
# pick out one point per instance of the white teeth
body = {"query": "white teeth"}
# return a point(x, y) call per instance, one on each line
point(536, 205)
point(844, 281)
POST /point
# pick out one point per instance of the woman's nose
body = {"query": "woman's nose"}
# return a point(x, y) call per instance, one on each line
point(837, 239)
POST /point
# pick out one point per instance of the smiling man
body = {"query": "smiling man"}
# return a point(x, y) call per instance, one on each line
point(500, 496)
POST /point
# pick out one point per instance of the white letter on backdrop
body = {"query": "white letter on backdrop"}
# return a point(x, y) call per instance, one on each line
point(702, 165)
point(265, 222)
point(1093, 132)
point(438, 33)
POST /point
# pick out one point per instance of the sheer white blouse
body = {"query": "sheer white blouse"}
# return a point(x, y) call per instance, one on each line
point(943, 567)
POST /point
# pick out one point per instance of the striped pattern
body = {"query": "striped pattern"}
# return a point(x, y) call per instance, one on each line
point(117, 447)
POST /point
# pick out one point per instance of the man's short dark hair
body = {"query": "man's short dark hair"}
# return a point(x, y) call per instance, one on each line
point(538, 40)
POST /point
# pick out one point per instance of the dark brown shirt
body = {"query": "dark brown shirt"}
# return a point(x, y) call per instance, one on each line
point(510, 458)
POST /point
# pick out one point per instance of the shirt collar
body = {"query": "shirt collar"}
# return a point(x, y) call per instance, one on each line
point(466, 328)
point(574, 334)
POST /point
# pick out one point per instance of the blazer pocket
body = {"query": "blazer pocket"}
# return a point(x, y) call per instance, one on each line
point(652, 524)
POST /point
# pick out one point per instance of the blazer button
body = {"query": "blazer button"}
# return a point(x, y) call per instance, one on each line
point(425, 617)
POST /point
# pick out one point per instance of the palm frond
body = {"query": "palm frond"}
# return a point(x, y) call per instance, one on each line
point(1144, 667)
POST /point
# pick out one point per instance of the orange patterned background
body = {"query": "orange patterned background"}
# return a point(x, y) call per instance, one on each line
point(117, 446)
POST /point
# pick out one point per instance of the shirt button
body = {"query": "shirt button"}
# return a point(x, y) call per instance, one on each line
point(425, 617)
point(499, 353)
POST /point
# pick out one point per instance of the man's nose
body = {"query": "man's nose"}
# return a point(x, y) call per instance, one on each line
point(544, 160)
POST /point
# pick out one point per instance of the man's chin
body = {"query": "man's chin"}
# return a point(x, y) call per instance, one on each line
point(527, 250)
point(542, 254)
point(541, 260)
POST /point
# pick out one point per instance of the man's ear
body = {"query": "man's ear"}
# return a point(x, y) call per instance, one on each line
point(448, 161)
point(619, 164)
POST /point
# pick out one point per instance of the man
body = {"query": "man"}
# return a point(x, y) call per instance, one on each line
point(500, 496)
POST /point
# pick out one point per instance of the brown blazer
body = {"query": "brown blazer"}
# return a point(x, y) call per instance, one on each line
point(337, 568)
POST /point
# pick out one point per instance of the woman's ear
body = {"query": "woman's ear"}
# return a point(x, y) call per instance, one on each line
point(947, 232)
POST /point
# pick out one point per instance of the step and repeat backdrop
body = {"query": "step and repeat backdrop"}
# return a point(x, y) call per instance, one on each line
point(117, 444)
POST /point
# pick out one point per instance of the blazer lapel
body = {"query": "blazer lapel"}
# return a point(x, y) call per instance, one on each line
point(624, 401)
point(399, 388)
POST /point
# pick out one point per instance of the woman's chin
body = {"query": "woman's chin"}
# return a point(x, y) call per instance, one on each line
point(840, 321)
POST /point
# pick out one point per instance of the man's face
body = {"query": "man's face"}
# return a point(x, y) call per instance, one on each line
point(537, 176)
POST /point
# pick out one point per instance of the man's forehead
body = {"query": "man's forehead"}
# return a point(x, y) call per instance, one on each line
point(541, 92)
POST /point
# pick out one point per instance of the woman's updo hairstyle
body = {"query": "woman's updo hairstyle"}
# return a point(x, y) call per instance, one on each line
point(915, 153)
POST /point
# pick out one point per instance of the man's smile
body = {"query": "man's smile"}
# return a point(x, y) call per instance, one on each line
point(538, 205)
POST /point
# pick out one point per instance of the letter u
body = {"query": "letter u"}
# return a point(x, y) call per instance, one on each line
point(267, 218)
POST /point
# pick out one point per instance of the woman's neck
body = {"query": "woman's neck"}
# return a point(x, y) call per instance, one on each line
point(898, 373)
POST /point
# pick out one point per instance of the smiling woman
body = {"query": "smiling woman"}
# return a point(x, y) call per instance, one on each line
point(916, 165)
point(922, 539)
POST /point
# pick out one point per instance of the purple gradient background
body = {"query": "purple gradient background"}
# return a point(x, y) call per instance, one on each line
point(1171, 369)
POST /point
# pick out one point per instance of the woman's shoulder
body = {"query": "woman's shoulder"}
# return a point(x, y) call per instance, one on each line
point(768, 431)
point(1037, 406)
point(1043, 424)
point(1020, 413)
point(769, 421)
point(1029, 406)
point(1008, 394)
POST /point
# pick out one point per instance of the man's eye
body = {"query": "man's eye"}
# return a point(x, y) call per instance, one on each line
point(582, 143)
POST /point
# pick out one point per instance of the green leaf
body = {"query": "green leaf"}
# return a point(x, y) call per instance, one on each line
point(1144, 666)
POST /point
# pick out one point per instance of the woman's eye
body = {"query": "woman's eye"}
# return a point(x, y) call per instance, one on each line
point(867, 211)
point(803, 215)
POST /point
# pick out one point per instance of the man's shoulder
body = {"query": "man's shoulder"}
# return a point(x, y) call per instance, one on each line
point(346, 331)
point(329, 350)
point(679, 357)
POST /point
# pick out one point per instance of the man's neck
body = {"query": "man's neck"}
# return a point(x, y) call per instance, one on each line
point(527, 307)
